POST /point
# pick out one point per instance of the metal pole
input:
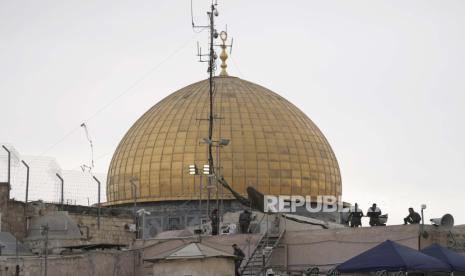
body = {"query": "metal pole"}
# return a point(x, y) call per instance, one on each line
point(45, 229)
point(208, 195)
point(200, 203)
point(134, 191)
point(422, 229)
point(217, 189)
point(17, 258)
point(62, 190)
point(98, 199)
point(263, 260)
point(9, 165)
point(46, 251)
point(221, 186)
point(422, 220)
point(27, 195)
point(210, 113)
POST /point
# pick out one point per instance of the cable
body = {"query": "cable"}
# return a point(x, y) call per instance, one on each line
point(237, 67)
point(125, 91)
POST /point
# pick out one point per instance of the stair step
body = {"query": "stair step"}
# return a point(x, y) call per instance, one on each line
point(255, 262)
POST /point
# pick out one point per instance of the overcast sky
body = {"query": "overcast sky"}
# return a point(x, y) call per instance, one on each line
point(384, 81)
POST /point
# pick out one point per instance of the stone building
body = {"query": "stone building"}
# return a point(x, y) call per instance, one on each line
point(79, 241)
point(195, 259)
point(271, 146)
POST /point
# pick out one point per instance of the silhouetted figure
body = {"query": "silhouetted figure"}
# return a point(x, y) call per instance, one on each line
point(239, 254)
point(215, 222)
point(244, 221)
point(355, 216)
point(373, 213)
point(413, 217)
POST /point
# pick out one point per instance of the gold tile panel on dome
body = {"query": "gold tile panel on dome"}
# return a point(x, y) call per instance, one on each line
point(273, 146)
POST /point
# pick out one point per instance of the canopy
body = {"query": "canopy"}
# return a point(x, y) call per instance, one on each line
point(391, 256)
point(452, 258)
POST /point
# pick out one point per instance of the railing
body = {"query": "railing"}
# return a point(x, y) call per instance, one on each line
point(261, 245)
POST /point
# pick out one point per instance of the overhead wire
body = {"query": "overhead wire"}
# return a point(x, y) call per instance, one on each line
point(125, 91)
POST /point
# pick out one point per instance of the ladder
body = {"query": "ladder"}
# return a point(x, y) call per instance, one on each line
point(261, 255)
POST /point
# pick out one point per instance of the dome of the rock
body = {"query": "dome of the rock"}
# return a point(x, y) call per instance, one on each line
point(273, 146)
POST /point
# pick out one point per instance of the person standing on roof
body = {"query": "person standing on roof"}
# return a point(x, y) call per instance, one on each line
point(215, 222)
point(244, 221)
point(373, 213)
point(355, 216)
point(239, 254)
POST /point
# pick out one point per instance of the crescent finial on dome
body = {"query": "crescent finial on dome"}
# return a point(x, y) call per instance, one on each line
point(223, 55)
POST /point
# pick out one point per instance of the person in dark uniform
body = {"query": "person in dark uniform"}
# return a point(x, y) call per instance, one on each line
point(244, 221)
point(355, 216)
point(239, 254)
point(215, 222)
point(373, 213)
point(413, 217)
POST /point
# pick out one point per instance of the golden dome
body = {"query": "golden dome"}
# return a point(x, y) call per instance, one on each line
point(274, 146)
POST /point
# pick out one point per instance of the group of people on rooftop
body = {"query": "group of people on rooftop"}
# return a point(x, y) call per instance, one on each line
point(374, 213)
point(244, 221)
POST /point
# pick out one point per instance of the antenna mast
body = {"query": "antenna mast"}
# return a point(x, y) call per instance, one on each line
point(211, 58)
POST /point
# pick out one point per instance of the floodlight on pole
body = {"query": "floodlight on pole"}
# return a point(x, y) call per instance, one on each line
point(206, 169)
point(423, 207)
point(193, 170)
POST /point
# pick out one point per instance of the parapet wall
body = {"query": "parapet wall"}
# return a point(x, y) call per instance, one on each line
point(113, 222)
point(323, 248)
point(113, 226)
point(112, 229)
point(102, 263)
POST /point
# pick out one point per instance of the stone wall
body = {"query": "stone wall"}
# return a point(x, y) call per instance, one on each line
point(12, 213)
point(113, 229)
point(113, 222)
point(113, 225)
point(96, 263)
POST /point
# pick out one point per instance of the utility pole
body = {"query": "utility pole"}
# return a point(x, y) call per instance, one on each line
point(44, 232)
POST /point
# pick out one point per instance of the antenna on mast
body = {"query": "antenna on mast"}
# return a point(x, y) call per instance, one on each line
point(210, 57)
point(85, 167)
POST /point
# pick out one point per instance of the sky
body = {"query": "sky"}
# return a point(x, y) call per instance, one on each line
point(383, 80)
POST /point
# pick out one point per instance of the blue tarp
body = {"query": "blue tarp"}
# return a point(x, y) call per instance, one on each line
point(391, 256)
point(452, 258)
